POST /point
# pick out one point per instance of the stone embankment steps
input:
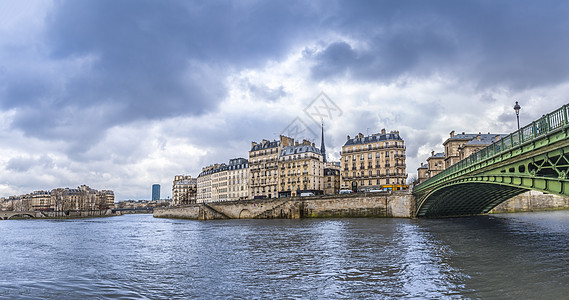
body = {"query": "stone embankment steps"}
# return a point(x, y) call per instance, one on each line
point(215, 213)
point(271, 210)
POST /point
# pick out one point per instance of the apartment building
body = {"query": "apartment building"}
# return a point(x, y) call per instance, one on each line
point(238, 179)
point(301, 168)
point(374, 162)
point(263, 167)
point(184, 190)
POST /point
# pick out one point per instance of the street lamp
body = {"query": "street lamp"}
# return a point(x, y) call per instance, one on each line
point(517, 108)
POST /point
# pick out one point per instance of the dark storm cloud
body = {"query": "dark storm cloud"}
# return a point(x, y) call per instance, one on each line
point(109, 63)
point(518, 44)
point(24, 163)
point(114, 62)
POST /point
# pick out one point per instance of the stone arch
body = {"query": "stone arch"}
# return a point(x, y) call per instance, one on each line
point(245, 214)
point(21, 215)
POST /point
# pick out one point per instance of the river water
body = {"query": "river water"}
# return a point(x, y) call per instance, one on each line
point(509, 256)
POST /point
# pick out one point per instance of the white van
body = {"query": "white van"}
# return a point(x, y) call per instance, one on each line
point(346, 191)
point(307, 194)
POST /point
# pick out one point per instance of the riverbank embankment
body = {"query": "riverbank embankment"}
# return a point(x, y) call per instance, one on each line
point(380, 204)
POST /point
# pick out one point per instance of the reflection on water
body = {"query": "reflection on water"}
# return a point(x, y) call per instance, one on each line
point(137, 256)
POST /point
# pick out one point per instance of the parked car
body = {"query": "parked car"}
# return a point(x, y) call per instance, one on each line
point(346, 191)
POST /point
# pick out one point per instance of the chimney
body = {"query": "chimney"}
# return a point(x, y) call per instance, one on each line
point(383, 131)
point(433, 153)
point(296, 143)
point(478, 137)
point(253, 144)
point(452, 133)
point(421, 164)
point(348, 137)
point(360, 135)
point(312, 144)
point(463, 133)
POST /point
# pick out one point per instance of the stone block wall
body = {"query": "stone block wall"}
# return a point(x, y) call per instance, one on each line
point(532, 201)
point(384, 204)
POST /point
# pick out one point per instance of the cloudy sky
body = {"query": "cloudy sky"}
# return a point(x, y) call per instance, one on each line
point(123, 94)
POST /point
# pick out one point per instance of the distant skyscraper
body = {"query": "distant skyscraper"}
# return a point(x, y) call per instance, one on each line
point(155, 192)
point(322, 147)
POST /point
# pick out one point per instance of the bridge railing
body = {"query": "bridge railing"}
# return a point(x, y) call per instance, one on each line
point(535, 130)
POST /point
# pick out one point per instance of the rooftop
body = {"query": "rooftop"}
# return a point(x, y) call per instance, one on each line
point(383, 136)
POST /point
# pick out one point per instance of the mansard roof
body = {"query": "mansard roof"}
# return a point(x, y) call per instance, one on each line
point(330, 171)
point(392, 136)
point(438, 155)
point(266, 145)
point(291, 150)
point(485, 139)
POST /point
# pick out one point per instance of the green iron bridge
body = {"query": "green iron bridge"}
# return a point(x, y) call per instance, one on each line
point(536, 157)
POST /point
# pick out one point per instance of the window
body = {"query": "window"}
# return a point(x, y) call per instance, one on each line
point(369, 156)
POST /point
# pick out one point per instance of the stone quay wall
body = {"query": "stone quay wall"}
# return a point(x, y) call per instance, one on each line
point(532, 201)
point(380, 204)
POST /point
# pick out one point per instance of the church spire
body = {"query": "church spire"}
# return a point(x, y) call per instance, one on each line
point(322, 146)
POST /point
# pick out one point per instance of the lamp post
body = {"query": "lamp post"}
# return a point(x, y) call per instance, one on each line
point(517, 108)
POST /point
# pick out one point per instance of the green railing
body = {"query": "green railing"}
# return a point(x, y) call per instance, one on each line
point(533, 131)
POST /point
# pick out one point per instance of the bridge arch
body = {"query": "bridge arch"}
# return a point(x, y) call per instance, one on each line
point(245, 214)
point(535, 157)
point(20, 214)
point(465, 198)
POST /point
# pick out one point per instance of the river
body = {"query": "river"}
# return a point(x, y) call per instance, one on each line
point(507, 256)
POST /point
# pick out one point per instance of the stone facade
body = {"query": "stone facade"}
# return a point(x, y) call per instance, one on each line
point(223, 182)
point(422, 173)
point(374, 162)
point(237, 178)
point(331, 179)
point(457, 147)
point(263, 167)
point(219, 184)
point(460, 146)
point(204, 184)
point(184, 190)
point(301, 169)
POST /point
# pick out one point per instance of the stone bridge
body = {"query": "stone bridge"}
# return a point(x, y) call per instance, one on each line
point(5, 215)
